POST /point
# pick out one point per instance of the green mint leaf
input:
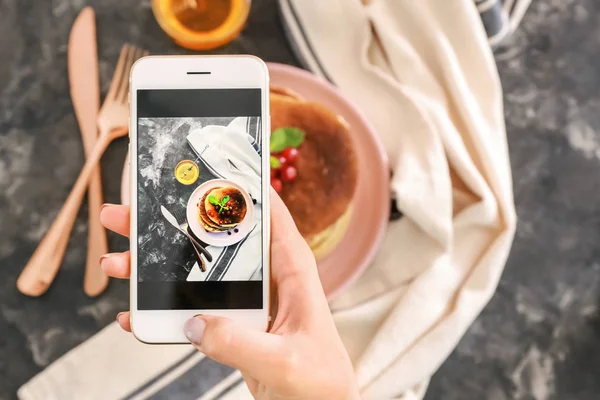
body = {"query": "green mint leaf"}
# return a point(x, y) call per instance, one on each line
point(295, 136)
point(224, 200)
point(286, 137)
point(278, 141)
point(212, 199)
point(275, 163)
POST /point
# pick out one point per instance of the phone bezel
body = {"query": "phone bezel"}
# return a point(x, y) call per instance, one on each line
point(207, 72)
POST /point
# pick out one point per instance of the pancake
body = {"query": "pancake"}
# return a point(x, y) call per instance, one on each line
point(283, 91)
point(324, 242)
point(206, 222)
point(236, 207)
point(327, 169)
point(210, 228)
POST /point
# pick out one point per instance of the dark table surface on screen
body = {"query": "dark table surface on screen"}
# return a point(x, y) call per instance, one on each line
point(542, 322)
point(166, 254)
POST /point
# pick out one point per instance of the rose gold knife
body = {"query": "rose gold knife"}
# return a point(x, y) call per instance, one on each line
point(85, 94)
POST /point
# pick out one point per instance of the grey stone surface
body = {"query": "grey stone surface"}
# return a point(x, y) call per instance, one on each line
point(539, 338)
point(164, 253)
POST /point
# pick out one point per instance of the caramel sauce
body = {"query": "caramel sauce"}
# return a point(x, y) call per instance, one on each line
point(201, 15)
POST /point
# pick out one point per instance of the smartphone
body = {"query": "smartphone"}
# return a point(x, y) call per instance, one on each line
point(199, 154)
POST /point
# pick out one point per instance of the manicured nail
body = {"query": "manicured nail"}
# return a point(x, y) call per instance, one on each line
point(104, 257)
point(194, 329)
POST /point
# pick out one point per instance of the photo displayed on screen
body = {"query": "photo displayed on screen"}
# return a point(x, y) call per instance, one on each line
point(199, 202)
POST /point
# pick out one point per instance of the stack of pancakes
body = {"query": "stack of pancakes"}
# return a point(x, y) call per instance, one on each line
point(320, 198)
point(208, 213)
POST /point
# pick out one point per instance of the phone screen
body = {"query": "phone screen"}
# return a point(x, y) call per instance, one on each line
point(199, 186)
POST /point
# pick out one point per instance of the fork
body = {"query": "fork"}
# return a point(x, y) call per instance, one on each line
point(114, 112)
point(184, 227)
point(40, 271)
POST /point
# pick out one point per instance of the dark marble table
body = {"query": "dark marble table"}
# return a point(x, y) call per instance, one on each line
point(539, 338)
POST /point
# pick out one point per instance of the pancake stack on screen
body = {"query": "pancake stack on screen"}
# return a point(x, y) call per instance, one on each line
point(221, 209)
point(313, 167)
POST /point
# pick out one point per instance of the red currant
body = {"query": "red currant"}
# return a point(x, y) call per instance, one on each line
point(276, 184)
point(288, 173)
point(290, 154)
point(280, 158)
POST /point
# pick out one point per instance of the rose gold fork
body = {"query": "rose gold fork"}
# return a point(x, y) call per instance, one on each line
point(40, 271)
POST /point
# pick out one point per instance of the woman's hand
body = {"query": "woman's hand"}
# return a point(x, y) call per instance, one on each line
point(302, 356)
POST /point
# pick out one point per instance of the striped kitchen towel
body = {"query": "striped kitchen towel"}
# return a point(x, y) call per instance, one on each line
point(501, 17)
point(423, 73)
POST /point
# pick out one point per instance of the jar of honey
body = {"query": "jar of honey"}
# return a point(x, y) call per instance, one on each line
point(201, 24)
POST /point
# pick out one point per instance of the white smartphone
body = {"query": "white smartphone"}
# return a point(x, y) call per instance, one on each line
point(200, 229)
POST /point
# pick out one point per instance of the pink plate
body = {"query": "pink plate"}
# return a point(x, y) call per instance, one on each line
point(363, 237)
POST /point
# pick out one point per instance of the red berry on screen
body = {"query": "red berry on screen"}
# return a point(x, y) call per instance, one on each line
point(276, 184)
point(290, 154)
point(274, 172)
point(288, 173)
point(281, 159)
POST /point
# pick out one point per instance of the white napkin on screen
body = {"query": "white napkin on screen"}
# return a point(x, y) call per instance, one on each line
point(229, 152)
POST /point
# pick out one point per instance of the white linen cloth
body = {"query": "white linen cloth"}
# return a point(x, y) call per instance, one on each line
point(425, 77)
point(430, 87)
point(229, 152)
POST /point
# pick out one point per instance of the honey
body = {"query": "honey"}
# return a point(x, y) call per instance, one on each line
point(201, 24)
point(187, 172)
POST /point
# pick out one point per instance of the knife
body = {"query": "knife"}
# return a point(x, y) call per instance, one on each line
point(171, 218)
point(173, 221)
point(85, 94)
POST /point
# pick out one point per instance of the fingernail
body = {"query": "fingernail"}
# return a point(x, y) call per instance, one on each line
point(104, 257)
point(106, 205)
point(119, 316)
point(194, 329)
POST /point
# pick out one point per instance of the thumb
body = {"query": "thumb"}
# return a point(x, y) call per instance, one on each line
point(290, 254)
point(230, 343)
